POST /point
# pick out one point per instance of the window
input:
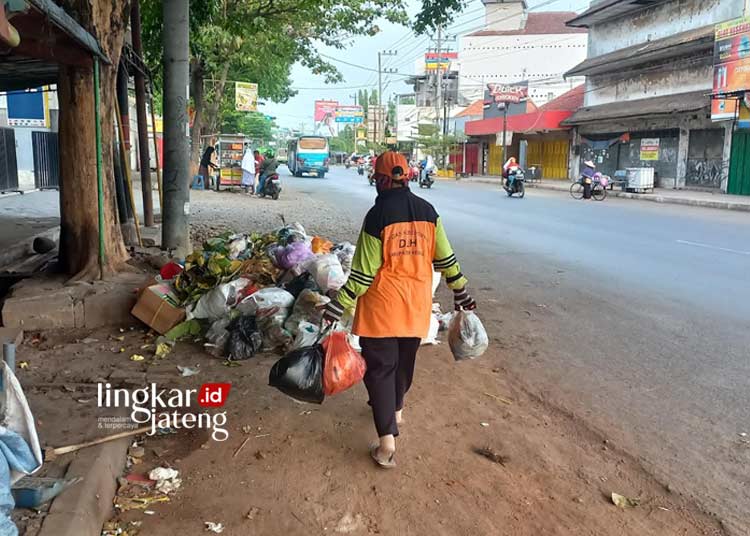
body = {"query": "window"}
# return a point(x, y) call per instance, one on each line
point(312, 143)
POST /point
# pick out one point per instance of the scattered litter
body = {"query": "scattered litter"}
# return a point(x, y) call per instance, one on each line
point(23, 365)
point(162, 348)
point(89, 340)
point(349, 523)
point(499, 399)
point(541, 305)
point(236, 452)
point(187, 371)
point(254, 511)
point(136, 451)
point(118, 338)
point(138, 503)
point(247, 429)
point(231, 364)
point(167, 479)
point(743, 434)
point(484, 424)
point(492, 455)
point(137, 357)
point(624, 502)
point(217, 528)
point(84, 400)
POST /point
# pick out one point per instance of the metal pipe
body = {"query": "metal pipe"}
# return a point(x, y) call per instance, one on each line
point(99, 178)
point(9, 355)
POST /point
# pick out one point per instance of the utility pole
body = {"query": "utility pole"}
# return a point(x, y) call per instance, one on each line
point(438, 78)
point(379, 112)
point(176, 211)
point(140, 107)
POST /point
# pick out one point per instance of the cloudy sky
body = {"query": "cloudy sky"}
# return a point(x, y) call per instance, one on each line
point(362, 52)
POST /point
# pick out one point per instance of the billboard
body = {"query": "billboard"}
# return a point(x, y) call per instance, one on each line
point(434, 61)
point(731, 66)
point(325, 117)
point(504, 94)
point(28, 108)
point(245, 97)
point(350, 114)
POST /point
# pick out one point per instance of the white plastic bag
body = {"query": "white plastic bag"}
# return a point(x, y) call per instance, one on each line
point(433, 332)
point(467, 336)
point(345, 253)
point(436, 278)
point(266, 298)
point(307, 335)
point(327, 272)
point(217, 302)
point(19, 419)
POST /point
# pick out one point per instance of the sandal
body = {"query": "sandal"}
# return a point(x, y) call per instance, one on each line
point(390, 463)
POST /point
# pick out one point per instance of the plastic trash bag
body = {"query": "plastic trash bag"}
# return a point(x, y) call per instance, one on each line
point(299, 374)
point(291, 233)
point(445, 320)
point(467, 336)
point(216, 337)
point(433, 331)
point(321, 245)
point(217, 302)
point(266, 298)
point(293, 254)
point(307, 335)
point(270, 323)
point(244, 339)
point(327, 272)
point(308, 308)
point(436, 278)
point(343, 366)
point(296, 285)
point(345, 253)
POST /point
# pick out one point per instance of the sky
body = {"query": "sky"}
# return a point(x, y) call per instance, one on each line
point(362, 52)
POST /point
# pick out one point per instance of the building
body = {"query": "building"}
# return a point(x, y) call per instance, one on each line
point(516, 45)
point(649, 75)
point(535, 135)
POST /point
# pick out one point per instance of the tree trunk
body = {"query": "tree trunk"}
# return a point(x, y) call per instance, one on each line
point(212, 116)
point(79, 229)
point(196, 91)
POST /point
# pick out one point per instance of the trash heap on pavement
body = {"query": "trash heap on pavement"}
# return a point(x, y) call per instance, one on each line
point(247, 293)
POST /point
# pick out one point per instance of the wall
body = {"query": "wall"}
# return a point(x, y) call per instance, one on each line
point(513, 58)
point(667, 80)
point(660, 21)
point(505, 16)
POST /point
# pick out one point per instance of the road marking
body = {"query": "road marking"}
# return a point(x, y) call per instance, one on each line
point(709, 246)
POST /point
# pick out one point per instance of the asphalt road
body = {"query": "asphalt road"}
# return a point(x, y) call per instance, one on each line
point(639, 314)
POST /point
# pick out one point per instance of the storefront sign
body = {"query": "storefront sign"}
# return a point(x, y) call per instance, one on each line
point(731, 66)
point(245, 97)
point(350, 114)
point(649, 149)
point(505, 94)
point(433, 61)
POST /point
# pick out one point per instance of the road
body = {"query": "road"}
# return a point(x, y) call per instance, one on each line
point(638, 314)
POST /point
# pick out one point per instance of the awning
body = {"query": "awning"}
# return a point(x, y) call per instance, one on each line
point(666, 105)
point(689, 43)
point(49, 37)
point(538, 121)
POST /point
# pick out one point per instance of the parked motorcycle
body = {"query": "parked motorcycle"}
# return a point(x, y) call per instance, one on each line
point(272, 187)
point(514, 184)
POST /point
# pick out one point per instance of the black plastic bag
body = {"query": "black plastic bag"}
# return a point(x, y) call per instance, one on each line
point(300, 283)
point(244, 339)
point(299, 374)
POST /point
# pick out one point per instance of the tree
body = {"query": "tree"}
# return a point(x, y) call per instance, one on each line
point(374, 97)
point(107, 21)
point(363, 100)
point(252, 124)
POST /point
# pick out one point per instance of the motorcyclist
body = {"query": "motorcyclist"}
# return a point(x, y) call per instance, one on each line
point(509, 172)
point(427, 166)
point(267, 168)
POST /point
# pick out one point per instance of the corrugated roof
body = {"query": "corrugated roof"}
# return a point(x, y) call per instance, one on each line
point(608, 10)
point(681, 44)
point(668, 104)
point(542, 22)
point(476, 108)
point(568, 102)
point(531, 122)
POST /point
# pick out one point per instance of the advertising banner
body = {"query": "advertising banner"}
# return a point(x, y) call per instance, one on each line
point(508, 94)
point(731, 66)
point(434, 61)
point(350, 114)
point(324, 108)
point(245, 97)
point(649, 149)
point(28, 108)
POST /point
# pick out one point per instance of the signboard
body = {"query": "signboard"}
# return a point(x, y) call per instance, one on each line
point(731, 66)
point(434, 61)
point(350, 114)
point(27, 108)
point(361, 134)
point(245, 97)
point(508, 94)
point(391, 140)
point(325, 108)
point(649, 149)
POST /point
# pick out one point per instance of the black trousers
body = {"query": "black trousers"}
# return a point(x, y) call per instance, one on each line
point(390, 370)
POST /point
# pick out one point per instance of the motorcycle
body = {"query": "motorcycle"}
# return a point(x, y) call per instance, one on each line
point(426, 179)
point(347, 163)
point(361, 169)
point(272, 187)
point(413, 173)
point(514, 184)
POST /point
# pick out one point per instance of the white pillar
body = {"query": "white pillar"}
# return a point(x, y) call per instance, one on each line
point(727, 155)
point(683, 143)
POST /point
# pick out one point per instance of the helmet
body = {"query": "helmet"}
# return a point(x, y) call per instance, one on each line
point(270, 153)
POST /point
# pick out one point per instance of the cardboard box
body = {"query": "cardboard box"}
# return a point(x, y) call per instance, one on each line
point(156, 308)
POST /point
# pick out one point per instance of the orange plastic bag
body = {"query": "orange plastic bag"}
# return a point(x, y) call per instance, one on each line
point(343, 366)
point(321, 245)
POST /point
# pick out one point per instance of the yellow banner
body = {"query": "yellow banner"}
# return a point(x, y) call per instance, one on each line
point(246, 97)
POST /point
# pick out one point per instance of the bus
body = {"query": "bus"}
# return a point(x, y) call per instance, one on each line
point(308, 154)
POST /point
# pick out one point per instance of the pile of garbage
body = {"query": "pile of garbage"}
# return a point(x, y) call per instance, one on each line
point(249, 293)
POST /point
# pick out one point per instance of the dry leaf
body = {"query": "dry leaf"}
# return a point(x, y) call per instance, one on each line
point(624, 502)
point(137, 357)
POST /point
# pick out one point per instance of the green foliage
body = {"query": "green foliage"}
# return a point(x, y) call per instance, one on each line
point(436, 144)
point(252, 124)
point(436, 13)
point(374, 97)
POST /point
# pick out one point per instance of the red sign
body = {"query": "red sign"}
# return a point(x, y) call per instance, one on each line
point(324, 108)
point(504, 94)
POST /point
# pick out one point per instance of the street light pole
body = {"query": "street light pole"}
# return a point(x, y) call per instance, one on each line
point(176, 210)
point(505, 131)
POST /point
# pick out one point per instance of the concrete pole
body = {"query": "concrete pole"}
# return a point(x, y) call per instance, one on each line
point(140, 106)
point(176, 210)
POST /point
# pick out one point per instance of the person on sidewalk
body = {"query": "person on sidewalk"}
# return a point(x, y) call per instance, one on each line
point(206, 163)
point(248, 170)
point(401, 243)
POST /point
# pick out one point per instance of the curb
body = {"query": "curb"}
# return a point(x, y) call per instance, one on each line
point(83, 509)
point(654, 198)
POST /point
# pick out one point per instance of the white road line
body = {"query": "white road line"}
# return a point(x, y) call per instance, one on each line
point(709, 246)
